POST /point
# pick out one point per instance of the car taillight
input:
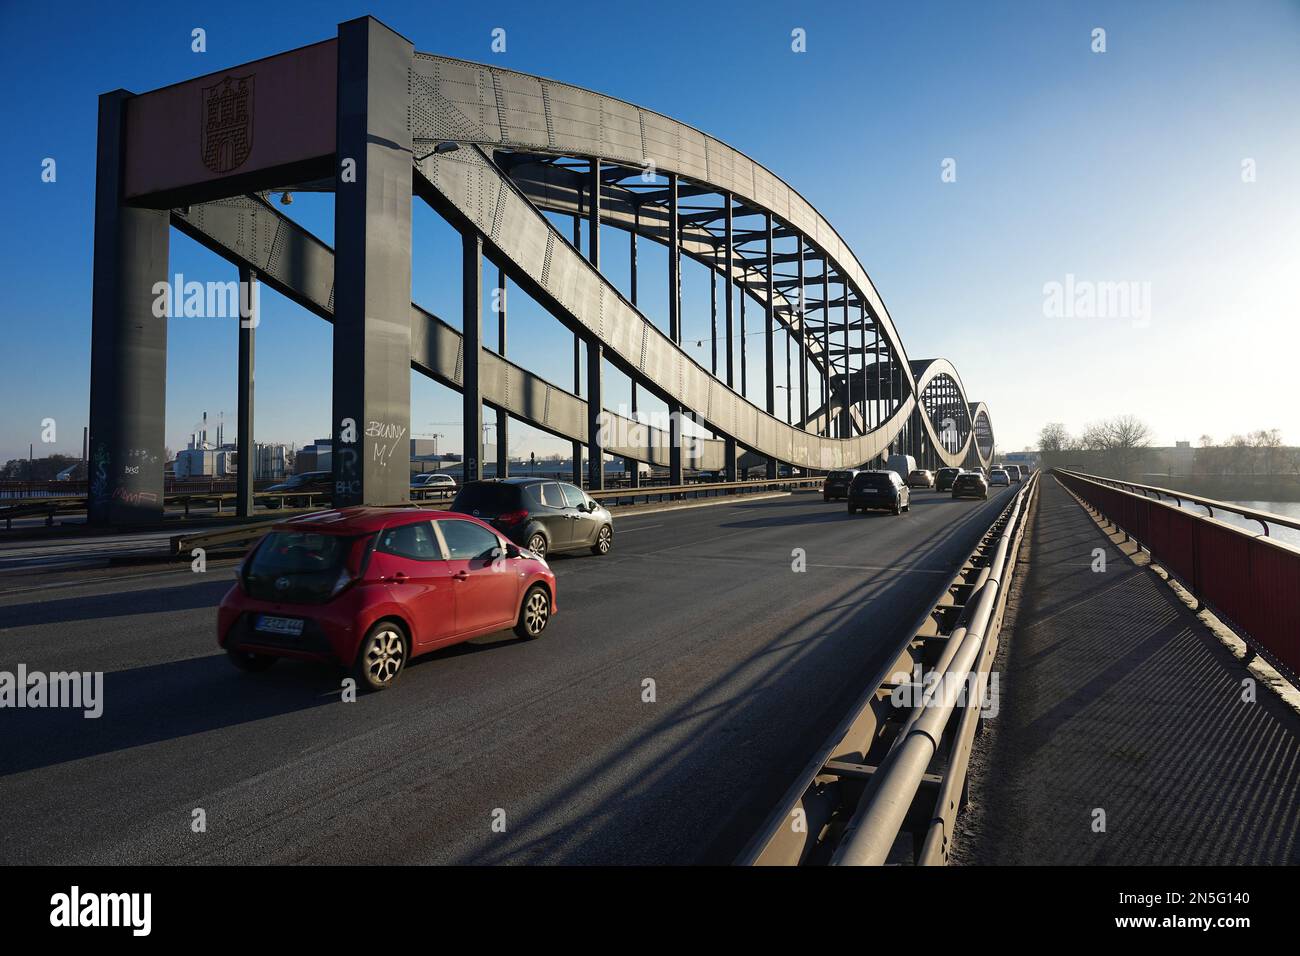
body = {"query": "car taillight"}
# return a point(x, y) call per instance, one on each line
point(511, 518)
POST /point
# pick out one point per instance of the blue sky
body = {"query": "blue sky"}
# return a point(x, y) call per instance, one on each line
point(1123, 166)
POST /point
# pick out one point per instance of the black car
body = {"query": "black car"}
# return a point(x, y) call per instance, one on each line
point(837, 484)
point(316, 484)
point(944, 479)
point(540, 514)
point(879, 489)
point(970, 484)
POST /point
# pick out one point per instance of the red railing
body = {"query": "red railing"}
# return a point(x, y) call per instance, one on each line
point(1248, 579)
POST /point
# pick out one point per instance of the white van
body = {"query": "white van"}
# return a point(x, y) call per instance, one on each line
point(903, 464)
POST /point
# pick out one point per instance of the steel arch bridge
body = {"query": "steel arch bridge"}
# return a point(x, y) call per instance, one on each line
point(502, 156)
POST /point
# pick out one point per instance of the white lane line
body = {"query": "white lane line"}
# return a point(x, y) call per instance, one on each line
point(644, 527)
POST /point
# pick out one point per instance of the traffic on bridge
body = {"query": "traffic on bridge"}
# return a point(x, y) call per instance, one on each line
point(584, 504)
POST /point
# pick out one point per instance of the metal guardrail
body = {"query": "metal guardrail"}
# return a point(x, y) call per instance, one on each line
point(1250, 581)
point(247, 533)
point(701, 489)
point(896, 765)
point(1265, 518)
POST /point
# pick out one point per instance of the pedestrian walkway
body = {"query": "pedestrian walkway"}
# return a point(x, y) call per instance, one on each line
point(1123, 736)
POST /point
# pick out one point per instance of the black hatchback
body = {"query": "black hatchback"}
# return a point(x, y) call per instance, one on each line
point(970, 484)
point(879, 489)
point(540, 514)
point(945, 477)
point(837, 484)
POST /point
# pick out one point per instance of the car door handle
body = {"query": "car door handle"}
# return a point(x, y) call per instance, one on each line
point(399, 576)
point(461, 575)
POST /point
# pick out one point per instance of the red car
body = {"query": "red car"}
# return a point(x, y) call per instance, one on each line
point(371, 588)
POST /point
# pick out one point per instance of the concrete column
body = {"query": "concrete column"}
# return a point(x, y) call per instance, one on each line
point(828, 368)
point(472, 334)
point(128, 351)
point(630, 465)
point(247, 326)
point(595, 388)
point(576, 447)
point(674, 326)
point(595, 353)
point(729, 306)
point(503, 418)
point(846, 418)
point(372, 281)
point(803, 345)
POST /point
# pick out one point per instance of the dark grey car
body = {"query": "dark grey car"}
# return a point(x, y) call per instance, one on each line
point(837, 484)
point(540, 514)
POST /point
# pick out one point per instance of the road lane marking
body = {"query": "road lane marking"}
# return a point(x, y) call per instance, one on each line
point(644, 527)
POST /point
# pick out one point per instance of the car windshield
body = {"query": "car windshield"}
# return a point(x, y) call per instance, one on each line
point(876, 481)
point(839, 476)
point(487, 499)
point(298, 566)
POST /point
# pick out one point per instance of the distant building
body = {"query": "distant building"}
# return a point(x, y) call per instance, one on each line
point(315, 457)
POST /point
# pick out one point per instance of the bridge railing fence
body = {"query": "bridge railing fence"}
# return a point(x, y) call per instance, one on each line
point(1250, 581)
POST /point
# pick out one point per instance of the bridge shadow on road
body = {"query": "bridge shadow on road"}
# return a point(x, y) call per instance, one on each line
point(758, 720)
point(147, 705)
point(194, 595)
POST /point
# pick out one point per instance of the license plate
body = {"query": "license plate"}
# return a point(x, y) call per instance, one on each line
point(289, 626)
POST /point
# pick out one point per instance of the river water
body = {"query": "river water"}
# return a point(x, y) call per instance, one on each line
point(1286, 509)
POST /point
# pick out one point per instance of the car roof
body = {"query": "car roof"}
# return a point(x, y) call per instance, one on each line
point(362, 519)
point(515, 480)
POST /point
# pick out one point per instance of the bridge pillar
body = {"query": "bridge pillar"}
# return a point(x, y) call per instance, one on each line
point(803, 345)
point(630, 465)
point(372, 281)
point(128, 352)
point(595, 352)
point(503, 417)
point(577, 353)
point(472, 333)
point(246, 448)
point(769, 333)
point(674, 325)
point(595, 389)
point(827, 366)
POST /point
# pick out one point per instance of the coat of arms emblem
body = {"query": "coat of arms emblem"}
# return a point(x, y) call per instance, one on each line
point(227, 123)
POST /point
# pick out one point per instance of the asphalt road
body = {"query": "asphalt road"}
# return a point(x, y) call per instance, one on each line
point(753, 665)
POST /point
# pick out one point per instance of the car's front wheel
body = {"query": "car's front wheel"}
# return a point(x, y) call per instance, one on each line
point(382, 656)
point(534, 613)
point(604, 541)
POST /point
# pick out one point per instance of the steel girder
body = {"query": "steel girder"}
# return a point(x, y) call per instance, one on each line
point(248, 231)
point(469, 188)
point(470, 103)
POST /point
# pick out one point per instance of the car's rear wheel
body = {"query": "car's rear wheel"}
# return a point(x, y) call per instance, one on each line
point(537, 544)
point(382, 656)
point(534, 613)
point(248, 662)
point(604, 541)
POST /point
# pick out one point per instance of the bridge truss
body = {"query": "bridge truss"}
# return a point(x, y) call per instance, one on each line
point(503, 156)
